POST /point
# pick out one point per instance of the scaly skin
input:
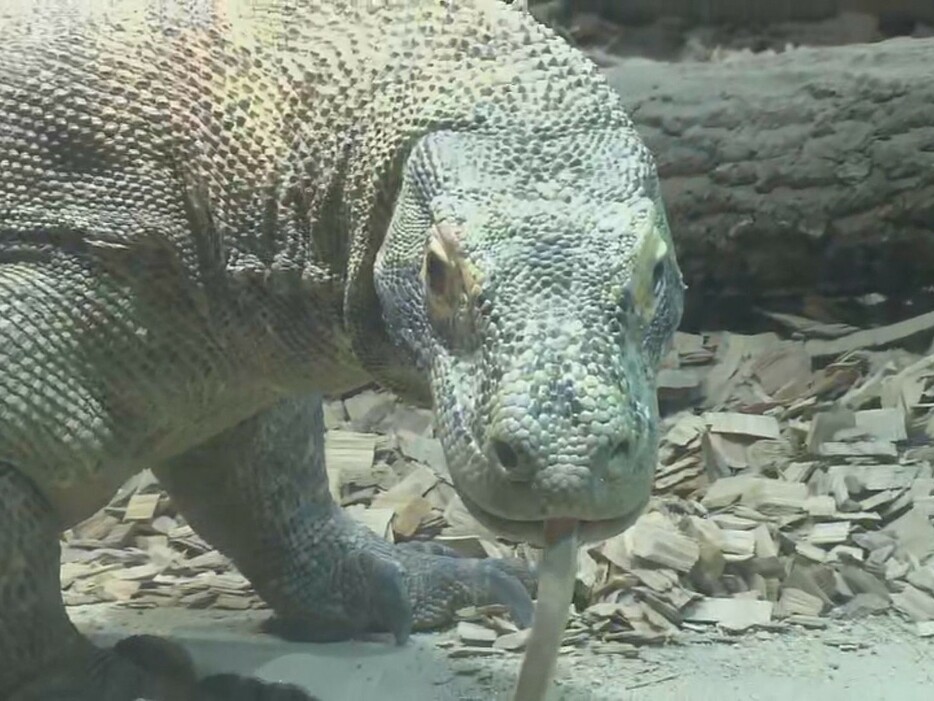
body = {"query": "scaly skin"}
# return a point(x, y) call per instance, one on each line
point(211, 212)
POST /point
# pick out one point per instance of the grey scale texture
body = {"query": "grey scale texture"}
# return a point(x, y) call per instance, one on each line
point(214, 212)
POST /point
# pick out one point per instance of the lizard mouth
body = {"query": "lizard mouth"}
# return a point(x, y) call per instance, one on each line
point(533, 531)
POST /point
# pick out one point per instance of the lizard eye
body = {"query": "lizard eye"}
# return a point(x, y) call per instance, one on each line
point(435, 273)
point(658, 278)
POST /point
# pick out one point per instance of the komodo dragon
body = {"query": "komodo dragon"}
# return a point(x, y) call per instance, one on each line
point(213, 212)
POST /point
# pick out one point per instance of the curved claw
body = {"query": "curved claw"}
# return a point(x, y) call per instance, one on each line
point(391, 605)
point(505, 588)
point(439, 585)
point(370, 594)
point(373, 586)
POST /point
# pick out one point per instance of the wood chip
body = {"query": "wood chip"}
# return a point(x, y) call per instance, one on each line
point(862, 605)
point(514, 642)
point(914, 603)
point(773, 496)
point(616, 648)
point(796, 601)
point(737, 614)
point(727, 490)
point(688, 428)
point(887, 424)
point(427, 451)
point(664, 547)
point(837, 449)
point(377, 520)
point(462, 652)
point(812, 622)
point(141, 507)
point(349, 455)
point(368, 408)
point(914, 534)
point(139, 573)
point(827, 533)
point(408, 517)
point(474, 634)
point(120, 589)
point(232, 602)
point(723, 455)
point(871, 338)
point(735, 423)
point(416, 484)
point(811, 552)
point(741, 545)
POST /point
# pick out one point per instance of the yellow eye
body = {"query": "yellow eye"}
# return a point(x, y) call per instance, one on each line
point(658, 278)
point(445, 272)
point(436, 273)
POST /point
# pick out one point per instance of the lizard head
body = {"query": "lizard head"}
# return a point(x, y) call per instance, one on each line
point(533, 284)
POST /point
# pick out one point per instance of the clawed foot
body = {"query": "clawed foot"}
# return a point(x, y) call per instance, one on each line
point(378, 587)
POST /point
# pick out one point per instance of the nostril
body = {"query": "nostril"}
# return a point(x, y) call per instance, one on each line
point(621, 449)
point(506, 455)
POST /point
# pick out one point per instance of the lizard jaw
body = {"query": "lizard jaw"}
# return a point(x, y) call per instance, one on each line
point(533, 531)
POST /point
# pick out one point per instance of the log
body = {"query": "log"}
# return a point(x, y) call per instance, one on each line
point(751, 11)
point(784, 175)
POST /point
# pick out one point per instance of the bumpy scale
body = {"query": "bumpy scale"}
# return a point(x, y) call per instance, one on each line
point(213, 212)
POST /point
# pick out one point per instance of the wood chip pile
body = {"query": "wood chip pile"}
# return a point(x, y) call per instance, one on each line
point(795, 483)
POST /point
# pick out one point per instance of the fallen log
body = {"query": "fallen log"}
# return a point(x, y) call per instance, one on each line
point(807, 171)
point(751, 11)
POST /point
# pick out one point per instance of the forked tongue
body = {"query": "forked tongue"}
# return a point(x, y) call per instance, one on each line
point(557, 573)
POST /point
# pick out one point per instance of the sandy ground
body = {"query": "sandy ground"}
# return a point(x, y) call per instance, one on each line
point(877, 660)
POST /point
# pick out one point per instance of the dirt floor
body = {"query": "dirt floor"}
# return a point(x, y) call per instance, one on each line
point(879, 659)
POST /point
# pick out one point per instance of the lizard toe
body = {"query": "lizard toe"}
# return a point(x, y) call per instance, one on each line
point(373, 597)
point(439, 585)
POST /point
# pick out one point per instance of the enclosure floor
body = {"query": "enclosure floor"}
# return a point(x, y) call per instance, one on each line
point(892, 664)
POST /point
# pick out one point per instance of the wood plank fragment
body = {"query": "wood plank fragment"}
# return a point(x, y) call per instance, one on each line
point(349, 456)
point(796, 601)
point(752, 425)
point(664, 547)
point(773, 496)
point(871, 338)
point(377, 520)
point(914, 603)
point(727, 490)
point(141, 507)
point(914, 534)
point(836, 449)
point(738, 614)
point(475, 634)
point(514, 642)
point(886, 424)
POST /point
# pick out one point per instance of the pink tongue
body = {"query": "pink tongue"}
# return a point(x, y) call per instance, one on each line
point(555, 590)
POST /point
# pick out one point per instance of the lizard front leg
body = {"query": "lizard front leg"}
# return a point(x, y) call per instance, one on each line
point(259, 493)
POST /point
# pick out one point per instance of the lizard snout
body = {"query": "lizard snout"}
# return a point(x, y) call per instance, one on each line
point(519, 464)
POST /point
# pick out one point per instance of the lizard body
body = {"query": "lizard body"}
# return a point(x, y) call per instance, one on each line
point(213, 212)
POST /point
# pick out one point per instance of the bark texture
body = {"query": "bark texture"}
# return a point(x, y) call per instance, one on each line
point(812, 170)
point(747, 11)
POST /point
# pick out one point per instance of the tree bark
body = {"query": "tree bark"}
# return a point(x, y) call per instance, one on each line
point(751, 11)
point(808, 171)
